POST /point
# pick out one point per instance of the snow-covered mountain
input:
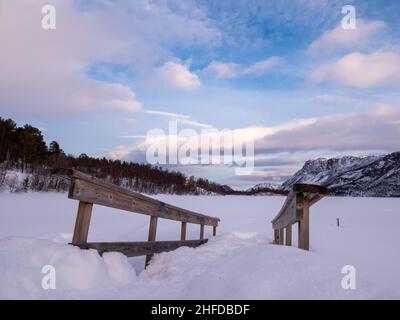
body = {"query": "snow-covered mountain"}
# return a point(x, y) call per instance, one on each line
point(265, 188)
point(269, 185)
point(371, 176)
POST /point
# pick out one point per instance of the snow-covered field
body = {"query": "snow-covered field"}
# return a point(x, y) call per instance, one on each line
point(240, 263)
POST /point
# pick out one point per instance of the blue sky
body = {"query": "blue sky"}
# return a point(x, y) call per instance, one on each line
point(113, 70)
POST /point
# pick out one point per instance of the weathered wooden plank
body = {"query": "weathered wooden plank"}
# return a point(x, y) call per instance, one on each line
point(296, 208)
point(291, 211)
point(133, 249)
point(286, 204)
point(89, 189)
point(183, 231)
point(276, 236)
point(153, 228)
point(288, 240)
point(201, 231)
point(152, 235)
point(281, 236)
point(309, 188)
point(286, 212)
point(313, 198)
point(82, 222)
point(304, 228)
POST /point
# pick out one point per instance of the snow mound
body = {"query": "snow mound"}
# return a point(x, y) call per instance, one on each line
point(79, 273)
point(230, 266)
point(240, 263)
point(245, 266)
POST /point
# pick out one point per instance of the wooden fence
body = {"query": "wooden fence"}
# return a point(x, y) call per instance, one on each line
point(89, 190)
point(297, 209)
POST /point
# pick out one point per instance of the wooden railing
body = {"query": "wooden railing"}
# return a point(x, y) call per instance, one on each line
point(297, 209)
point(89, 190)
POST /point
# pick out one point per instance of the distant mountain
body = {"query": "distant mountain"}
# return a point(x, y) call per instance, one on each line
point(268, 185)
point(265, 189)
point(371, 176)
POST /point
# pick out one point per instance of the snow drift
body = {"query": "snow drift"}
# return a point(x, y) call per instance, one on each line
point(240, 263)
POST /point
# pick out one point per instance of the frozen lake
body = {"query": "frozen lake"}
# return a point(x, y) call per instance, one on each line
point(239, 262)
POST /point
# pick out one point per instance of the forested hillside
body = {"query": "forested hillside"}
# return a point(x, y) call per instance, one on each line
point(23, 150)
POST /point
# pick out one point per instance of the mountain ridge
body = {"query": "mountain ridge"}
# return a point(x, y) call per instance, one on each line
point(369, 176)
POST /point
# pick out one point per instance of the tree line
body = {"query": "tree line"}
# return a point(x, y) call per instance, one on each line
point(23, 148)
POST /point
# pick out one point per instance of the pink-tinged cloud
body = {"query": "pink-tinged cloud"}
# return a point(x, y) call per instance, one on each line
point(44, 73)
point(340, 38)
point(360, 70)
point(178, 76)
point(221, 70)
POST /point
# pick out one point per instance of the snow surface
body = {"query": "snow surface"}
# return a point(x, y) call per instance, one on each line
point(240, 263)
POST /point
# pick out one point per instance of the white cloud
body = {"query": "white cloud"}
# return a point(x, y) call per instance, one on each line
point(339, 38)
point(339, 100)
point(180, 118)
point(120, 152)
point(44, 73)
point(261, 67)
point(222, 70)
point(209, 134)
point(178, 76)
point(269, 174)
point(282, 149)
point(377, 129)
point(360, 70)
point(102, 95)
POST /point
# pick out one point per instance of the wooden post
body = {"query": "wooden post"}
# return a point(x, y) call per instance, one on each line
point(82, 222)
point(214, 231)
point(183, 231)
point(201, 231)
point(152, 235)
point(281, 234)
point(304, 227)
point(288, 239)
point(276, 236)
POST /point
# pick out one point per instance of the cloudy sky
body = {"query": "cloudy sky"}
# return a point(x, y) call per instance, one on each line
point(287, 70)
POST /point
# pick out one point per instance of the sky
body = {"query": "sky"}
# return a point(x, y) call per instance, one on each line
point(285, 71)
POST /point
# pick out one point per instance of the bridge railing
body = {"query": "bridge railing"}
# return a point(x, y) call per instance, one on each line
point(89, 190)
point(296, 209)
